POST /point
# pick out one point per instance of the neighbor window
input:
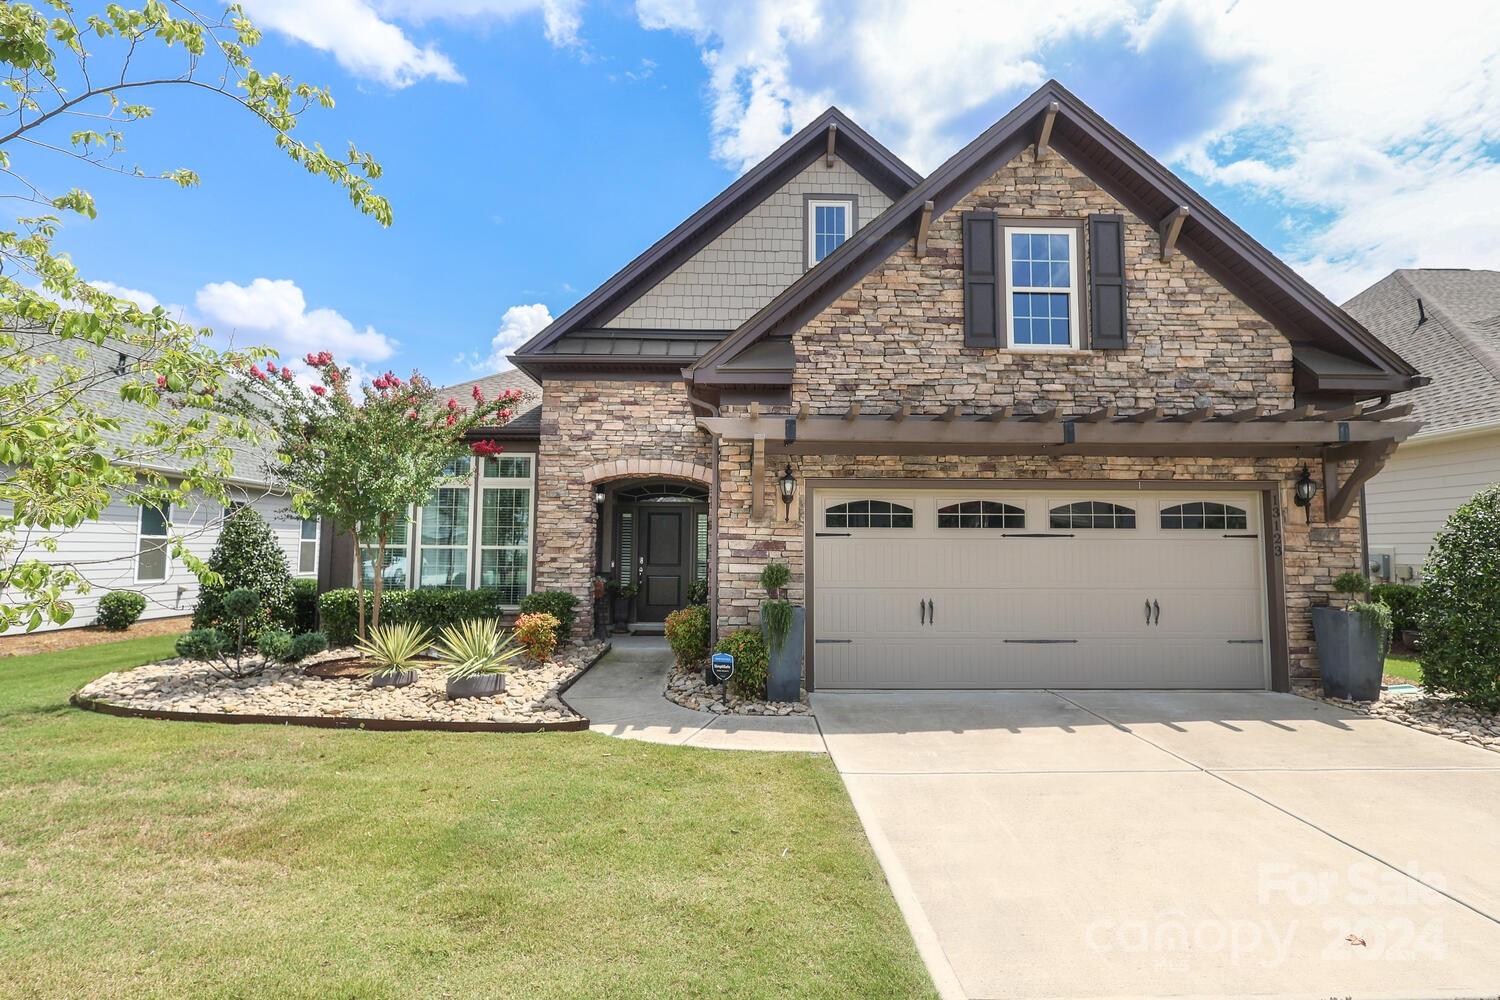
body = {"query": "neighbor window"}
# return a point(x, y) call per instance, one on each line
point(1041, 285)
point(1204, 515)
point(151, 544)
point(867, 514)
point(307, 547)
point(1092, 514)
point(828, 226)
point(505, 526)
point(394, 568)
point(981, 514)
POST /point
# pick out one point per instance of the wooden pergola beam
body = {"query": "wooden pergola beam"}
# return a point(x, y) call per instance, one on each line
point(901, 414)
point(1339, 494)
point(1169, 228)
point(1287, 416)
point(1342, 413)
point(833, 134)
point(1249, 413)
point(949, 415)
point(757, 477)
point(995, 416)
point(1044, 135)
point(852, 413)
point(923, 224)
point(1144, 416)
point(1389, 413)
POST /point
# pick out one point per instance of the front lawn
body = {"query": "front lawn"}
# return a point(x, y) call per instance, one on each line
point(155, 859)
point(1406, 669)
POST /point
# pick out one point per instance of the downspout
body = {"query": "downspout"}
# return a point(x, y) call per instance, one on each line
point(709, 410)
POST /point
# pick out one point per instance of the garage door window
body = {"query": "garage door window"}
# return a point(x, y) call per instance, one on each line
point(980, 514)
point(1092, 514)
point(867, 514)
point(1205, 515)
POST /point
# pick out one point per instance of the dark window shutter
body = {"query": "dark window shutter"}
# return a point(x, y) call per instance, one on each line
point(1107, 282)
point(981, 280)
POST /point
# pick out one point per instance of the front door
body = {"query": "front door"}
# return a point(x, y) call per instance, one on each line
point(666, 561)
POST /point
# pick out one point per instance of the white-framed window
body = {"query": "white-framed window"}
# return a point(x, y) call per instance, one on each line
point(307, 547)
point(505, 518)
point(829, 223)
point(395, 569)
point(151, 562)
point(443, 529)
point(1041, 287)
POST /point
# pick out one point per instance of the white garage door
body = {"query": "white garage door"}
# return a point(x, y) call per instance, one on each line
point(1029, 589)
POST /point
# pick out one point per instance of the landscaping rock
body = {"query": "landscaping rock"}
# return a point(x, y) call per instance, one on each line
point(1427, 712)
point(689, 689)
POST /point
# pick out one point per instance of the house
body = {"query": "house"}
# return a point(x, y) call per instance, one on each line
point(1447, 320)
point(1042, 418)
point(127, 547)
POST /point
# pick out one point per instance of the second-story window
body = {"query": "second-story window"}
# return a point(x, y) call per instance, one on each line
point(828, 226)
point(1041, 284)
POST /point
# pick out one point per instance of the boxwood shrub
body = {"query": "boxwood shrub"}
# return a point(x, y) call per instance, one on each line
point(559, 604)
point(433, 607)
point(687, 634)
point(119, 609)
point(1402, 599)
point(304, 604)
point(751, 663)
point(1459, 610)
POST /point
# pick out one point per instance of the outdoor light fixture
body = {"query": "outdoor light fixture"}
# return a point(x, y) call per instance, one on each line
point(787, 486)
point(599, 497)
point(1306, 489)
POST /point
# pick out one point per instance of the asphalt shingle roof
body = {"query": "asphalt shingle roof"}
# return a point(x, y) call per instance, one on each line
point(527, 419)
point(1458, 345)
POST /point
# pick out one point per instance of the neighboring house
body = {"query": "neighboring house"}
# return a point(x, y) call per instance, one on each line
point(1042, 413)
point(127, 548)
point(1447, 321)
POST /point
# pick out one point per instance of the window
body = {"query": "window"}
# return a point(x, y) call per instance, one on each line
point(867, 514)
point(394, 569)
point(1092, 514)
point(151, 544)
point(1206, 515)
point(505, 526)
point(1041, 286)
point(307, 548)
point(828, 226)
point(443, 537)
point(981, 514)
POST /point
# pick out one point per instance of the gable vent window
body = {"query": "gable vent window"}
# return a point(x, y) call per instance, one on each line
point(829, 224)
point(867, 514)
point(980, 514)
point(1204, 515)
point(1041, 287)
point(1092, 514)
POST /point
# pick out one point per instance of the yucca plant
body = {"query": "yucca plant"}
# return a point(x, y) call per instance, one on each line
point(476, 646)
point(395, 648)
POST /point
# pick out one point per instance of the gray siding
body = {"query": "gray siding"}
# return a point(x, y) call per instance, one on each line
point(753, 260)
point(1423, 483)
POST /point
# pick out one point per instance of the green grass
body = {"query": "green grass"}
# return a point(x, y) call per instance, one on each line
point(168, 859)
point(1400, 666)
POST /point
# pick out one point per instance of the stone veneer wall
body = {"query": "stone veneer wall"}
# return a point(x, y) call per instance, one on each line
point(1312, 554)
point(585, 423)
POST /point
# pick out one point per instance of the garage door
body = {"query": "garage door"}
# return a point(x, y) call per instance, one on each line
point(923, 588)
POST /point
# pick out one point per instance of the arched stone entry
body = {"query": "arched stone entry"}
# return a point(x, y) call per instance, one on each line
point(654, 539)
point(626, 468)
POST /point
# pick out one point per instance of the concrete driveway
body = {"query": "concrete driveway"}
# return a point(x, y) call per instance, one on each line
point(1140, 844)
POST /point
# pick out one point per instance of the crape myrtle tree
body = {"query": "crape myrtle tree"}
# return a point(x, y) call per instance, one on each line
point(71, 86)
point(360, 463)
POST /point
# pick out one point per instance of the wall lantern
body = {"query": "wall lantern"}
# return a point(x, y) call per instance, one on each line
point(1305, 490)
point(787, 487)
point(599, 497)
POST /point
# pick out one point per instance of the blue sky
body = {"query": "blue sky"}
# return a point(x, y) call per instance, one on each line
point(532, 147)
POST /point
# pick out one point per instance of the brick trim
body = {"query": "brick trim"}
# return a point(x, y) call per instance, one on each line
point(635, 467)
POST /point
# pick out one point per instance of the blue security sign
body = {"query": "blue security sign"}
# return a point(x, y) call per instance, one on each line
point(721, 667)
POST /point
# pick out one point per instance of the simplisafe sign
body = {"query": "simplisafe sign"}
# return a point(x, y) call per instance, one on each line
point(721, 667)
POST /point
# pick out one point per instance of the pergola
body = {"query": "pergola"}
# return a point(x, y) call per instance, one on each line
point(1364, 434)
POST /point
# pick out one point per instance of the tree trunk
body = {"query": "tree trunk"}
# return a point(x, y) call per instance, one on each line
point(359, 580)
point(380, 570)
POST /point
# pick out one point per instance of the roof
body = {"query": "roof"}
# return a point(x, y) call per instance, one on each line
point(851, 143)
point(1458, 343)
point(526, 421)
point(1141, 184)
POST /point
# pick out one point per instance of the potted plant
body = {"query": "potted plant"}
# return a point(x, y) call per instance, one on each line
point(782, 625)
point(624, 597)
point(1352, 642)
point(475, 653)
point(395, 651)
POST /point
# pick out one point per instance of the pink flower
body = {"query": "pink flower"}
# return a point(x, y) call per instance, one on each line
point(334, 374)
point(392, 379)
point(478, 396)
point(411, 414)
point(504, 414)
point(255, 372)
point(161, 381)
point(452, 403)
point(482, 448)
point(319, 390)
point(286, 373)
point(311, 359)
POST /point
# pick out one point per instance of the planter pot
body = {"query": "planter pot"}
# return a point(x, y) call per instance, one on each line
point(1410, 637)
point(400, 679)
point(476, 686)
point(620, 613)
point(784, 677)
point(1350, 654)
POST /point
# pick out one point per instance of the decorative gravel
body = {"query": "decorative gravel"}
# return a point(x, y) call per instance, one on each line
point(1433, 713)
point(531, 693)
point(689, 689)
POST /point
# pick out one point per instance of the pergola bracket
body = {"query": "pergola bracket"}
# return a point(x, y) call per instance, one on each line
point(1339, 494)
point(1169, 229)
point(923, 225)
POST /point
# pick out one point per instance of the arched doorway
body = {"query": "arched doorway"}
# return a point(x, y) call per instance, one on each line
point(657, 547)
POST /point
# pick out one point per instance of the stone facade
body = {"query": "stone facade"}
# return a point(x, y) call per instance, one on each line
point(594, 431)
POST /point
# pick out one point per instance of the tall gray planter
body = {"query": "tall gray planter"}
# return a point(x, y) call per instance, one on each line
point(784, 678)
point(1349, 654)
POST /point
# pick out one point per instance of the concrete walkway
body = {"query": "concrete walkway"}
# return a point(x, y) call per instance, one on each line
point(622, 696)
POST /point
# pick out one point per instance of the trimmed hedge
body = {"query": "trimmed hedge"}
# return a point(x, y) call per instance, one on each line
point(1459, 611)
point(1402, 599)
point(304, 605)
point(434, 607)
point(559, 604)
point(120, 609)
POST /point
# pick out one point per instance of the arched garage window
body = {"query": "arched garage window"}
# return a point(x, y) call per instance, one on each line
point(1092, 514)
point(981, 514)
point(867, 514)
point(1205, 514)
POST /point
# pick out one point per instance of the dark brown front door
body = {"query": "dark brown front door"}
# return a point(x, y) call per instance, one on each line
point(666, 569)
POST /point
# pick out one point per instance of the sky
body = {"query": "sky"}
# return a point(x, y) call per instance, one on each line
point(533, 147)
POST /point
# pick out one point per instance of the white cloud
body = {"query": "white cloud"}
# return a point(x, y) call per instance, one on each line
point(518, 325)
point(561, 19)
point(144, 300)
point(274, 313)
point(357, 37)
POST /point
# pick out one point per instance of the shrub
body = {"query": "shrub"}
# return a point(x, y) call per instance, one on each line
point(395, 648)
point(687, 634)
point(1351, 583)
point(1459, 608)
point(750, 661)
point(774, 577)
point(304, 605)
point(559, 604)
point(275, 644)
point(1402, 599)
point(698, 592)
point(476, 646)
point(307, 644)
point(119, 609)
point(434, 607)
point(201, 644)
point(249, 557)
point(538, 631)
